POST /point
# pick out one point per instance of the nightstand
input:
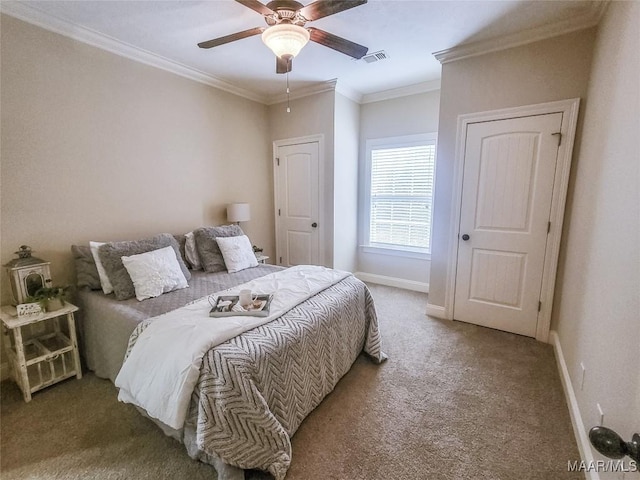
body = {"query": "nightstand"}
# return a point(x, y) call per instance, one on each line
point(41, 351)
point(262, 258)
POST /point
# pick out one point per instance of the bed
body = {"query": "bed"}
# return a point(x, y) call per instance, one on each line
point(253, 390)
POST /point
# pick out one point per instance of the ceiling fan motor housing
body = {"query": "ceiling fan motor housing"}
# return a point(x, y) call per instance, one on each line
point(286, 12)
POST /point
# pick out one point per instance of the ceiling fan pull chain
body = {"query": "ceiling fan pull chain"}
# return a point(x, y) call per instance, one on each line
point(288, 106)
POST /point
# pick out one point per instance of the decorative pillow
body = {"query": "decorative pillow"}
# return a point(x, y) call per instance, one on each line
point(207, 247)
point(237, 253)
point(182, 242)
point(111, 256)
point(191, 251)
point(105, 282)
point(155, 272)
point(86, 271)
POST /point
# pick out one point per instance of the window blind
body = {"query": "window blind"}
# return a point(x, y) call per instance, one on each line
point(401, 195)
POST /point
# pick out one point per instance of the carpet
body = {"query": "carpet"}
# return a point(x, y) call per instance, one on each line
point(453, 402)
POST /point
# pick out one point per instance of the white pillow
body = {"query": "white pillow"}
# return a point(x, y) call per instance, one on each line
point(154, 273)
point(105, 283)
point(237, 253)
point(191, 253)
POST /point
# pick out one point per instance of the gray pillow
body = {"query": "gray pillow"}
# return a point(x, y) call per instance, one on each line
point(182, 242)
point(111, 257)
point(86, 271)
point(208, 250)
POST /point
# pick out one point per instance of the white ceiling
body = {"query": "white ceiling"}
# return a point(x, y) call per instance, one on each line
point(409, 31)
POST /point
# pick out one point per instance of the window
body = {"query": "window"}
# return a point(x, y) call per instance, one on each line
point(399, 191)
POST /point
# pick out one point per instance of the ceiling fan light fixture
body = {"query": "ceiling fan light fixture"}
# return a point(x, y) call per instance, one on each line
point(285, 39)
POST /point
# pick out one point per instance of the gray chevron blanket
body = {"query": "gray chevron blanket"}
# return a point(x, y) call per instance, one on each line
point(255, 390)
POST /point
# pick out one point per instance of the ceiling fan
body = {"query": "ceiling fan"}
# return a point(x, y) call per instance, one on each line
point(286, 33)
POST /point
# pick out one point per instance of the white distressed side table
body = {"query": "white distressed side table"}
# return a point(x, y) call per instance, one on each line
point(39, 349)
point(262, 258)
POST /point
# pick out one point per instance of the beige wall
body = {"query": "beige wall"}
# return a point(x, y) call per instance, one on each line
point(410, 115)
point(553, 69)
point(98, 147)
point(343, 124)
point(312, 115)
point(597, 303)
point(345, 213)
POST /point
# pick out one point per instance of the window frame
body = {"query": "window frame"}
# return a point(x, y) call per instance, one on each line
point(365, 223)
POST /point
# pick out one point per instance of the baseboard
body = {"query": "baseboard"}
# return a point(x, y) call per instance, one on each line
point(4, 371)
point(436, 311)
point(393, 282)
point(576, 418)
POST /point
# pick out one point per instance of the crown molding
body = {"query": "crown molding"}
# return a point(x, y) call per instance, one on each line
point(473, 49)
point(334, 85)
point(328, 86)
point(422, 87)
point(85, 35)
point(349, 92)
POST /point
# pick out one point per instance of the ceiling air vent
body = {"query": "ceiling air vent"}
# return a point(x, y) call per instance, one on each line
point(375, 56)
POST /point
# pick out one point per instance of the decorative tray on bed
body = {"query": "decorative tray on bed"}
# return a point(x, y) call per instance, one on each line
point(228, 306)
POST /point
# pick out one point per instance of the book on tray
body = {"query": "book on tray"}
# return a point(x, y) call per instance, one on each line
point(229, 306)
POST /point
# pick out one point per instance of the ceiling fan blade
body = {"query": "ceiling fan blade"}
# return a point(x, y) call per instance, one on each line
point(339, 44)
point(324, 8)
point(231, 38)
point(284, 65)
point(256, 6)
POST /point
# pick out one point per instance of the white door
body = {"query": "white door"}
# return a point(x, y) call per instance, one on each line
point(297, 204)
point(507, 189)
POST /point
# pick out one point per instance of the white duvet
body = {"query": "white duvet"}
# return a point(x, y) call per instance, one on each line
point(162, 369)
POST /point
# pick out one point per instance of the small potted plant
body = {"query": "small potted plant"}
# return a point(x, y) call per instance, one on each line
point(51, 298)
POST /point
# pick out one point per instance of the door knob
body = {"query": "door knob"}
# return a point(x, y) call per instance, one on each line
point(465, 237)
point(611, 445)
point(314, 225)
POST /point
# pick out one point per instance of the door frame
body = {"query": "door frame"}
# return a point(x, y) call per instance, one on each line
point(319, 138)
point(569, 109)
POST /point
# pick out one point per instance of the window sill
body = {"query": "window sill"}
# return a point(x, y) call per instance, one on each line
point(396, 252)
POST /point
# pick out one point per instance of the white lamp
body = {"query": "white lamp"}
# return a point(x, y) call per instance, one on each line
point(285, 39)
point(238, 212)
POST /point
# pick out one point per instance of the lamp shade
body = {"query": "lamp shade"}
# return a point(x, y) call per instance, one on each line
point(285, 39)
point(238, 212)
